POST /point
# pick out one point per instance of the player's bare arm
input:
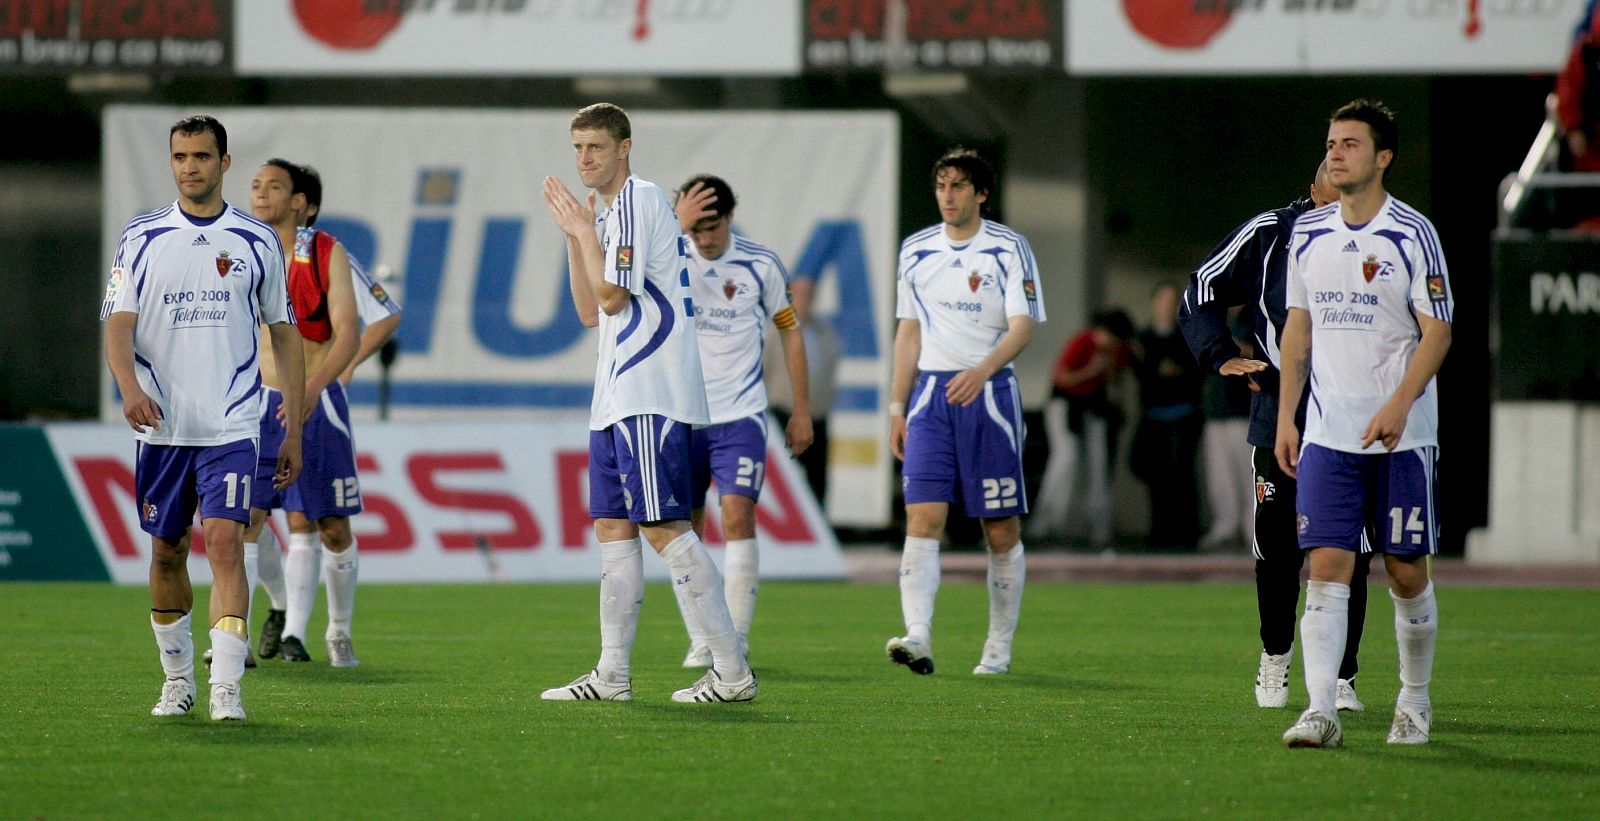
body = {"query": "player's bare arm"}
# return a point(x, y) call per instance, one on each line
point(339, 352)
point(1389, 423)
point(138, 408)
point(1294, 351)
point(798, 435)
point(289, 355)
point(907, 348)
point(694, 205)
point(373, 339)
point(576, 220)
point(964, 388)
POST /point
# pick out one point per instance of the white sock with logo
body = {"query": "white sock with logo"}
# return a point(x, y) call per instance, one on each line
point(177, 647)
point(919, 584)
point(301, 574)
point(270, 561)
point(698, 586)
point(339, 571)
point(621, 593)
point(1416, 627)
point(1324, 627)
point(741, 566)
point(1007, 573)
point(227, 657)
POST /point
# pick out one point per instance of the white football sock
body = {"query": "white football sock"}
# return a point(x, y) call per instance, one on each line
point(300, 572)
point(271, 566)
point(1416, 626)
point(698, 587)
point(741, 567)
point(339, 571)
point(1007, 573)
point(621, 593)
point(177, 647)
point(919, 583)
point(1323, 629)
point(227, 657)
point(252, 575)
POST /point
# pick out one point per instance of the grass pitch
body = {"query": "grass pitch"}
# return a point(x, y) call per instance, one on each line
point(1126, 701)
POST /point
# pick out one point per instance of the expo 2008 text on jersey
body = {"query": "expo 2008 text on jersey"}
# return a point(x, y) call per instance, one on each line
point(211, 267)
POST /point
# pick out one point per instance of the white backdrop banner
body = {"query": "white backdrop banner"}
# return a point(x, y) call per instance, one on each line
point(532, 37)
point(448, 200)
point(1340, 36)
point(455, 502)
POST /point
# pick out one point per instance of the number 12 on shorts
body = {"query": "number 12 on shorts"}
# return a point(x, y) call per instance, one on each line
point(346, 493)
point(1401, 524)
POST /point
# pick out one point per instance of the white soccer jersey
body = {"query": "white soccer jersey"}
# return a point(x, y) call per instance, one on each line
point(1361, 285)
point(735, 295)
point(201, 288)
point(373, 302)
point(963, 293)
point(649, 358)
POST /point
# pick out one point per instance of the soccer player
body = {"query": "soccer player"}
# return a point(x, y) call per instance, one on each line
point(320, 506)
point(968, 302)
point(379, 313)
point(738, 287)
point(1369, 324)
point(629, 277)
point(1247, 269)
point(190, 285)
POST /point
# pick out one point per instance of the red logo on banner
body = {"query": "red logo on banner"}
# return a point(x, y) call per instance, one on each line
point(1177, 23)
point(347, 24)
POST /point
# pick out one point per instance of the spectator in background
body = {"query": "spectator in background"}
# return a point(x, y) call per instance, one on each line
point(1578, 94)
point(1165, 445)
point(1083, 421)
point(822, 365)
point(1226, 405)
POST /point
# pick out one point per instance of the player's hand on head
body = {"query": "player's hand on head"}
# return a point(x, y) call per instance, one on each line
point(694, 205)
point(798, 435)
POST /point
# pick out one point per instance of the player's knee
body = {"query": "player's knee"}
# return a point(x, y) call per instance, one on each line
point(1003, 534)
point(169, 555)
point(738, 517)
point(335, 531)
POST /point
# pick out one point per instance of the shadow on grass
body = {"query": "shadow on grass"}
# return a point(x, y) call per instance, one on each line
point(197, 728)
point(1456, 757)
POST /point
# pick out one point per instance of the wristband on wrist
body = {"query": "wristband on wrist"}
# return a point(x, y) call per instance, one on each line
point(897, 409)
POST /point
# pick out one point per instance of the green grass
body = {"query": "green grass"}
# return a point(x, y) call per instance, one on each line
point(1126, 701)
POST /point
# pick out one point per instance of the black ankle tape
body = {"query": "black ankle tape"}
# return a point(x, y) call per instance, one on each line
point(159, 610)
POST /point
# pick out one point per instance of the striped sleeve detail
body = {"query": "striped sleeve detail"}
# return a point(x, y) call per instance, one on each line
point(1024, 252)
point(1223, 260)
point(1428, 241)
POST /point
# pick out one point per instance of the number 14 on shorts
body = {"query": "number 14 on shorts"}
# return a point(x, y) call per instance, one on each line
point(1403, 525)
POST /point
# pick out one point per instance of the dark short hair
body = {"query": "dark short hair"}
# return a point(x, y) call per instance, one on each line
point(608, 117)
point(1115, 322)
point(303, 179)
point(201, 124)
point(1378, 117)
point(967, 161)
point(725, 201)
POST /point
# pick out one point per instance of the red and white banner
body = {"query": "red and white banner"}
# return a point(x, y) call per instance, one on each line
point(534, 37)
point(1319, 36)
point(456, 502)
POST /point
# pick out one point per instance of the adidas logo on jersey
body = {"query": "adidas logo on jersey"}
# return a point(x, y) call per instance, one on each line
point(200, 240)
point(958, 263)
point(1350, 248)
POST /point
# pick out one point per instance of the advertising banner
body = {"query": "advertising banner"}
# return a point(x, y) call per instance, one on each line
point(451, 502)
point(1547, 318)
point(1334, 37)
point(520, 37)
point(194, 36)
point(42, 535)
point(987, 36)
point(448, 200)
